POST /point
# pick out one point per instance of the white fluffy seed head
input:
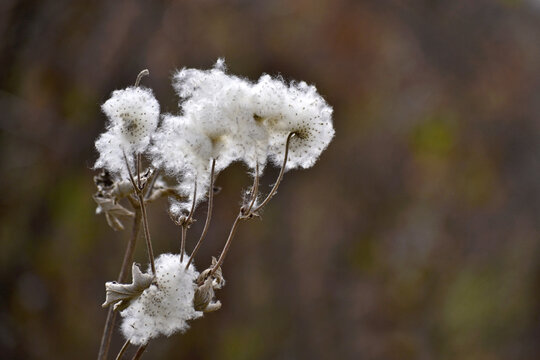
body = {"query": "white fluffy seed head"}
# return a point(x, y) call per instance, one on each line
point(222, 107)
point(133, 115)
point(163, 308)
point(184, 152)
point(297, 109)
point(134, 111)
point(110, 147)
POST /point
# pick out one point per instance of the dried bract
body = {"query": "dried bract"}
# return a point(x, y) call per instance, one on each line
point(120, 295)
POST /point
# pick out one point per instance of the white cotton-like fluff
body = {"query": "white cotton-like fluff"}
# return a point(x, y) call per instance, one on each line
point(110, 147)
point(133, 115)
point(221, 106)
point(163, 308)
point(297, 109)
point(251, 122)
point(186, 153)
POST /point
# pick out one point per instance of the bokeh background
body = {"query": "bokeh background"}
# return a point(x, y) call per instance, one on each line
point(416, 235)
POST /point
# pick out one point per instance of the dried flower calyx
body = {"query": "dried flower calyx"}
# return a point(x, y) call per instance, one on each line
point(121, 294)
point(207, 282)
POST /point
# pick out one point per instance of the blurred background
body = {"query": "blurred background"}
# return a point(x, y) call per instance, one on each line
point(415, 236)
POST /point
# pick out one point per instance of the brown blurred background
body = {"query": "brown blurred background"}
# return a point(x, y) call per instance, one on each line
point(415, 236)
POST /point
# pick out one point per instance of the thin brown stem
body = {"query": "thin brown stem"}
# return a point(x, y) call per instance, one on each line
point(130, 249)
point(254, 190)
point(139, 352)
point(135, 187)
point(107, 334)
point(139, 171)
point(208, 214)
point(145, 72)
point(122, 276)
point(147, 232)
point(150, 187)
point(190, 216)
point(122, 350)
point(280, 177)
point(183, 242)
point(140, 197)
point(243, 215)
point(186, 223)
point(227, 244)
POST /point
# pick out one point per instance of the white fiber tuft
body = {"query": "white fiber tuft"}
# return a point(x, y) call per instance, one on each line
point(163, 308)
point(133, 115)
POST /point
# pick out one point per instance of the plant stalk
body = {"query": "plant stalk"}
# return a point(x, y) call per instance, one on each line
point(122, 277)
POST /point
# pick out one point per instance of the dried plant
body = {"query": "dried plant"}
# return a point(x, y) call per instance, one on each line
point(223, 119)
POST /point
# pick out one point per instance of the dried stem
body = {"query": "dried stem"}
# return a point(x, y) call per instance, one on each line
point(151, 185)
point(139, 171)
point(186, 223)
point(122, 276)
point(135, 187)
point(208, 214)
point(123, 350)
point(139, 352)
point(243, 215)
point(147, 232)
point(227, 244)
point(254, 190)
point(183, 242)
point(280, 177)
point(140, 197)
point(145, 72)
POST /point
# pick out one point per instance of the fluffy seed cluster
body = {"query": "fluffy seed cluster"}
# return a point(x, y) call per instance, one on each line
point(165, 307)
point(226, 118)
point(133, 115)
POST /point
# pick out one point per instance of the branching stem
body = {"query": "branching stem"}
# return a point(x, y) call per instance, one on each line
point(186, 223)
point(244, 215)
point(254, 190)
point(151, 185)
point(280, 177)
point(147, 232)
point(208, 214)
point(140, 197)
point(122, 277)
point(227, 244)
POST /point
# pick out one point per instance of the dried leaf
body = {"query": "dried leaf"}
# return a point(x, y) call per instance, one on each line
point(204, 298)
point(112, 210)
point(114, 222)
point(121, 294)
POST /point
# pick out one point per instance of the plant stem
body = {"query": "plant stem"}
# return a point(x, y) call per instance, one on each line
point(208, 214)
point(123, 350)
point(254, 190)
point(227, 244)
point(128, 259)
point(139, 171)
point(147, 232)
point(139, 353)
point(151, 186)
point(140, 197)
point(145, 72)
point(243, 215)
point(280, 177)
point(187, 223)
point(183, 242)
